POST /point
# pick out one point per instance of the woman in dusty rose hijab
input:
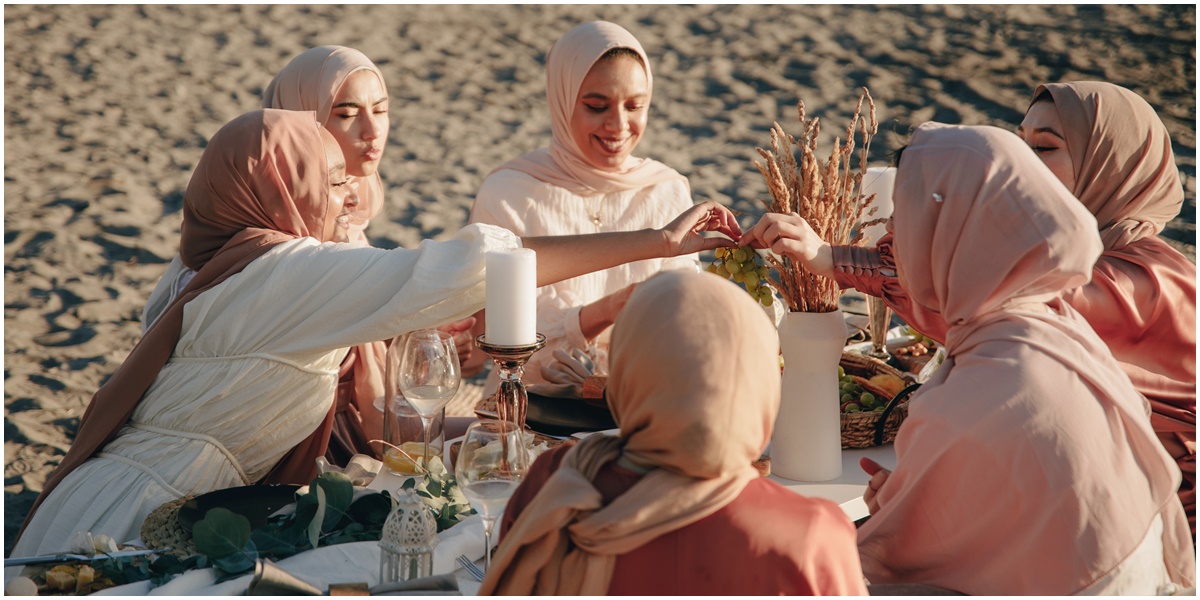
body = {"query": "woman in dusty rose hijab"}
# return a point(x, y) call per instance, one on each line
point(672, 506)
point(1027, 465)
point(599, 86)
point(234, 383)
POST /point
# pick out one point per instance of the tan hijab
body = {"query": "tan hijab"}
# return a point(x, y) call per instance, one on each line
point(1027, 465)
point(261, 181)
point(694, 416)
point(562, 164)
point(1125, 172)
point(310, 82)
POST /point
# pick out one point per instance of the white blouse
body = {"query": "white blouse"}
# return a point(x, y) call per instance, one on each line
point(530, 207)
point(255, 371)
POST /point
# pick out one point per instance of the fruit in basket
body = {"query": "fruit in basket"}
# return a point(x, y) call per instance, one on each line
point(892, 384)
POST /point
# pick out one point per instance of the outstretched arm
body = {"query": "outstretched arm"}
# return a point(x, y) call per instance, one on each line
point(566, 256)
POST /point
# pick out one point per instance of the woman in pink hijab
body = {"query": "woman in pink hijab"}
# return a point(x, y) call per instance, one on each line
point(673, 506)
point(599, 87)
point(1027, 465)
point(234, 384)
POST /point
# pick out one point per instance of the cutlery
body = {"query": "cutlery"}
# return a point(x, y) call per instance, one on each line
point(69, 557)
point(471, 567)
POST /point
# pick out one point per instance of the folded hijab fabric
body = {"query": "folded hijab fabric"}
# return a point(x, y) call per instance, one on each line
point(311, 81)
point(694, 387)
point(1027, 465)
point(1142, 297)
point(235, 209)
point(563, 164)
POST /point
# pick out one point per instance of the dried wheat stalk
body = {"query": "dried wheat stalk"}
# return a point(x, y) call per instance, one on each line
point(828, 195)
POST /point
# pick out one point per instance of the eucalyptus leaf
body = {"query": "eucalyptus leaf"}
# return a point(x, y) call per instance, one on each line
point(314, 527)
point(272, 545)
point(371, 510)
point(221, 533)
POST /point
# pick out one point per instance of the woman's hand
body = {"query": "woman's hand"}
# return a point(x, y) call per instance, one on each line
point(791, 236)
point(879, 475)
point(682, 236)
point(464, 342)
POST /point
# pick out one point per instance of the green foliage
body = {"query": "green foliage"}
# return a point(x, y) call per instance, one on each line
point(441, 493)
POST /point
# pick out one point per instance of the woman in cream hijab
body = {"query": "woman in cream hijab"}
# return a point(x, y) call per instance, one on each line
point(673, 506)
point(598, 86)
point(1027, 465)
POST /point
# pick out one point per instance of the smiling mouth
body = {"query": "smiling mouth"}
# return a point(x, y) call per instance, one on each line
point(373, 153)
point(610, 146)
point(343, 220)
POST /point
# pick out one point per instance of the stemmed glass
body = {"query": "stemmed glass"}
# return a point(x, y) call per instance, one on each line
point(490, 465)
point(429, 376)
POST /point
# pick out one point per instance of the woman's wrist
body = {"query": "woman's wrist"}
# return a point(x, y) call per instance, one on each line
point(594, 318)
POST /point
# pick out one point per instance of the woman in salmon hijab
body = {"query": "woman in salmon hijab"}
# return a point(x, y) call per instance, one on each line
point(1027, 465)
point(673, 506)
point(233, 384)
point(1107, 145)
point(598, 86)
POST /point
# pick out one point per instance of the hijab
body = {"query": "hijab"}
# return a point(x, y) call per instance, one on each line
point(987, 236)
point(1125, 172)
point(310, 82)
point(563, 164)
point(695, 417)
point(261, 181)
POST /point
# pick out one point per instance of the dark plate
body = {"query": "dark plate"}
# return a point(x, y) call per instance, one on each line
point(255, 502)
point(564, 416)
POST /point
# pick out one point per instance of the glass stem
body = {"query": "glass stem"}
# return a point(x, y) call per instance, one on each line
point(487, 543)
point(426, 423)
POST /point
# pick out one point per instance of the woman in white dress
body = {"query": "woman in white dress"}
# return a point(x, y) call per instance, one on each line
point(234, 382)
point(598, 85)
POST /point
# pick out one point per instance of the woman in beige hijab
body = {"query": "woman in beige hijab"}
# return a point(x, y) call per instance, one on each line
point(1027, 465)
point(234, 384)
point(672, 506)
point(599, 87)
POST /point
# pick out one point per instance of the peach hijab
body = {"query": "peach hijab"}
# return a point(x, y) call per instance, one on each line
point(310, 82)
point(261, 180)
point(1125, 172)
point(562, 164)
point(696, 418)
point(1027, 465)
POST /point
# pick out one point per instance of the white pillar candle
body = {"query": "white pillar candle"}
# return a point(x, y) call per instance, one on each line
point(878, 181)
point(511, 297)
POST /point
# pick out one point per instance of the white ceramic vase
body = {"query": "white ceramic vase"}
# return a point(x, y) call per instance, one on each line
point(807, 442)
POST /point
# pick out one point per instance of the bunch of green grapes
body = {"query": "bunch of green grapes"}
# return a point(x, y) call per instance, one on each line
point(742, 265)
point(854, 397)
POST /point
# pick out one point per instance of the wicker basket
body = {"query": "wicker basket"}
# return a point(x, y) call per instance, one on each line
point(866, 429)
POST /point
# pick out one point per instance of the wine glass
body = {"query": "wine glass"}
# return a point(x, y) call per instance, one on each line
point(878, 318)
point(490, 465)
point(429, 376)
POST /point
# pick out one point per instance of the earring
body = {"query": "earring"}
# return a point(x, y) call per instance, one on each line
point(937, 198)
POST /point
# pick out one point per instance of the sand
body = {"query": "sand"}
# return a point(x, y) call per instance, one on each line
point(107, 110)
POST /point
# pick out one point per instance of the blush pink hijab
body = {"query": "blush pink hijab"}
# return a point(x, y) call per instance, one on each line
point(1027, 465)
point(696, 418)
point(310, 82)
point(261, 181)
point(563, 164)
point(1125, 172)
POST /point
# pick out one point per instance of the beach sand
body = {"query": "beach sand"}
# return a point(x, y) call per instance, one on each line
point(107, 109)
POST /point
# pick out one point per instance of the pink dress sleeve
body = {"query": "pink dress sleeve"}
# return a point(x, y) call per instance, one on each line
point(872, 271)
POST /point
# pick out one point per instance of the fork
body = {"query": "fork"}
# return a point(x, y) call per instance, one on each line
point(471, 567)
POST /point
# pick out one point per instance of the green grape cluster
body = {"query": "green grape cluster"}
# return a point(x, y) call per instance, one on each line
point(743, 266)
point(854, 398)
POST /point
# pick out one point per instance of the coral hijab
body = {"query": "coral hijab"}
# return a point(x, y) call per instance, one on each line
point(1027, 465)
point(695, 418)
point(563, 164)
point(261, 181)
point(1125, 172)
point(310, 82)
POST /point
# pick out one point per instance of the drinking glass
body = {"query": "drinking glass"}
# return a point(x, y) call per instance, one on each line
point(429, 376)
point(879, 316)
point(490, 465)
